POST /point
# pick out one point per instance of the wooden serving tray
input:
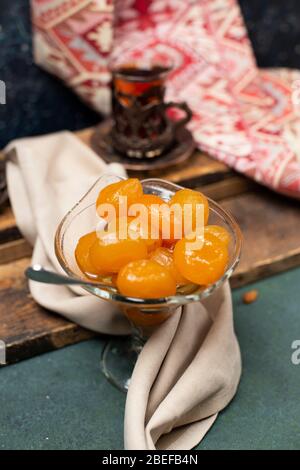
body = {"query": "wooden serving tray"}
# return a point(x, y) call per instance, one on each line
point(270, 225)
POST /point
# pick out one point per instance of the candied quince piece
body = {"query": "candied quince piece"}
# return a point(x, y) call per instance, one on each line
point(189, 196)
point(152, 243)
point(148, 218)
point(110, 252)
point(153, 205)
point(82, 256)
point(203, 265)
point(180, 198)
point(131, 227)
point(164, 257)
point(144, 232)
point(130, 188)
point(219, 231)
point(146, 279)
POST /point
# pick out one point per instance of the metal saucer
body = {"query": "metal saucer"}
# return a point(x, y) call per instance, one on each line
point(180, 151)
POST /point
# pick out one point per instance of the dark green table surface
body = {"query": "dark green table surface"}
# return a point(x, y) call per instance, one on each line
point(61, 401)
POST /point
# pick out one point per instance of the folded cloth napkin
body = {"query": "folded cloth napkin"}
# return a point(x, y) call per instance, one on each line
point(46, 176)
point(190, 368)
point(243, 116)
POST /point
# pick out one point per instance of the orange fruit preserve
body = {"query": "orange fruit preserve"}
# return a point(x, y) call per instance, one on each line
point(137, 228)
point(130, 188)
point(152, 204)
point(181, 199)
point(201, 266)
point(188, 196)
point(219, 231)
point(110, 253)
point(136, 252)
point(82, 255)
point(146, 279)
point(164, 257)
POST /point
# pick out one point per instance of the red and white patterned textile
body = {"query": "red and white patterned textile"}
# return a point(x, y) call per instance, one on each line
point(245, 117)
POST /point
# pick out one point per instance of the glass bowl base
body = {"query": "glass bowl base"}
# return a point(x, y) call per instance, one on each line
point(118, 359)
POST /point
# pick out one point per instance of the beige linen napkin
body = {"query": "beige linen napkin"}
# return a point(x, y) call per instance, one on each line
point(46, 176)
point(190, 368)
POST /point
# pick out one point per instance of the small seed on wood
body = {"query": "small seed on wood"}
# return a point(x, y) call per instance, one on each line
point(250, 296)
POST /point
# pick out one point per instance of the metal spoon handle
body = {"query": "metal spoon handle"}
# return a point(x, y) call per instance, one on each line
point(39, 274)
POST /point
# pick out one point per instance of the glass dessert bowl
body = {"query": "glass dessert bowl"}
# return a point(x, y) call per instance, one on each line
point(144, 314)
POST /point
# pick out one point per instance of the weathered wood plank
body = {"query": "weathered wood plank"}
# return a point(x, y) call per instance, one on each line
point(271, 225)
point(7, 219)
point(27, 328)
point(227, 188)
point(8, 229)
point(14, 250)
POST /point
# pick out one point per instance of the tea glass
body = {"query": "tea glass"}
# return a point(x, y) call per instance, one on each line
point(142, 127)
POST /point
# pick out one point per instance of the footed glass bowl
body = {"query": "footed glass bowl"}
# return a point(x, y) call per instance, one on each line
point(119, 355)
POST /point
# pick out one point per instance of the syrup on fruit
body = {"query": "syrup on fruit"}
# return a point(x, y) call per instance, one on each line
point(144, 265)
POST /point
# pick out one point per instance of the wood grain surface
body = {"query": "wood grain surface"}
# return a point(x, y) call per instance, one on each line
point(26, 328)
point(270, 226)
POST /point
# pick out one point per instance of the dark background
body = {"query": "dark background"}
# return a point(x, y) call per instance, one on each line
point(37, 103)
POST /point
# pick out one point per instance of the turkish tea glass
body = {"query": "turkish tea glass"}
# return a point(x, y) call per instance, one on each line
point(142, 127)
